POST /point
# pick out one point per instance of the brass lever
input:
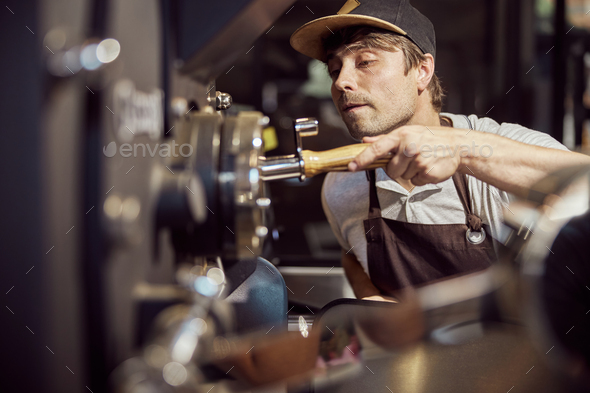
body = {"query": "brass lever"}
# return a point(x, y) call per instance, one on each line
point(336, 160)
point(307, 163)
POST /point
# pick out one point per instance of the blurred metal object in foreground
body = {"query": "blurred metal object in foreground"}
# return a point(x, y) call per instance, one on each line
point(127, 173)
point(555, 269)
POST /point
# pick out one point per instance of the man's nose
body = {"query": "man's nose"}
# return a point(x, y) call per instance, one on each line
point(346, 80)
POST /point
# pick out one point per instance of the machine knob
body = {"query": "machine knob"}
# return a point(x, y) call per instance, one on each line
point(222, 101)
point(306, 126)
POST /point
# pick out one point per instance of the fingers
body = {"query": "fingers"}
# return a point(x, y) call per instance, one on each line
point(378, 298)
point(378, 149)
point(429, 172)
point(402, 159)
point(408, 161)
point(419, 180)
point(371, 139)
point(416, 169)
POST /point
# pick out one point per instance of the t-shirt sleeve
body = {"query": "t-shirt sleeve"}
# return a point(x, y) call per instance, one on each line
point(326, 194)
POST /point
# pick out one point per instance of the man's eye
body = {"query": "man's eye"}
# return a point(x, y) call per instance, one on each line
point(334, 73)
point(366, 63)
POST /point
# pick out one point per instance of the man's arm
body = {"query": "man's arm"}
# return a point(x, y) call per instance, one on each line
point(504, 163)
point(514, 166)
point(359, 280)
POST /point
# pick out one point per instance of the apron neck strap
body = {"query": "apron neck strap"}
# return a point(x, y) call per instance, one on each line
point(473, 222)
point(374, 207)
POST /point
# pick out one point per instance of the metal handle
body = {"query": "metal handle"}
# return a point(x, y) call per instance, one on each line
point(305, 126)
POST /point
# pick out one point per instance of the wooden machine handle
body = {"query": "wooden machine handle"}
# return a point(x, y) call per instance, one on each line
point(336, 160)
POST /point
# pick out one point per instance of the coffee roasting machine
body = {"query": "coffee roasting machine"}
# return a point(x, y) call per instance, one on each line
point(137, 212)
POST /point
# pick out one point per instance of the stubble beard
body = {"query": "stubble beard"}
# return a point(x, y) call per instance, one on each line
point(373, 124)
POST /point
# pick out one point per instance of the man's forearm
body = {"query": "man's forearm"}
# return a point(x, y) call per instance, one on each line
point(510, 165)
point(359, 280)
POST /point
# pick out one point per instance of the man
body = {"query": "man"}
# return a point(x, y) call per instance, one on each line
point(435, 209)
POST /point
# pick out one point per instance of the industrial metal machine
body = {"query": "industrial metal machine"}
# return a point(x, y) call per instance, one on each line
point(144, 210)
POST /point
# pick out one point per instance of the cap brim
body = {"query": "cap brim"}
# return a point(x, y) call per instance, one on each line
point(308, 39)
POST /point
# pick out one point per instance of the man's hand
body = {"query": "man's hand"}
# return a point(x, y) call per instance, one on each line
point(504, 163)
point(379, 298)
point(420, 154)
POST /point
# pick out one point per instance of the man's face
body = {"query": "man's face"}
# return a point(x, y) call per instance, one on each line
point(370, 90)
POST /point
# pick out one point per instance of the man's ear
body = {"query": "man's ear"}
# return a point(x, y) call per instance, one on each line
point(425, 72)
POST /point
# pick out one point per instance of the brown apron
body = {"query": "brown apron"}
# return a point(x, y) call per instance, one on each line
point(402, 254)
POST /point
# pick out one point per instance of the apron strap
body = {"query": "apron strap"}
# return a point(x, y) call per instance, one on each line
point(374, 207)
point(473, 222)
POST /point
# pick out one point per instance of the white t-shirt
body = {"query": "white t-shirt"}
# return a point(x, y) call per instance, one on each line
point(345, 195)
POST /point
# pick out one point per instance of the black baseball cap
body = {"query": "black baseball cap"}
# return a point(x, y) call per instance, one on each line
point(394, 15)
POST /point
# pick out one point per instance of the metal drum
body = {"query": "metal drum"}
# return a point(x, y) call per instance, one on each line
point(227, 152)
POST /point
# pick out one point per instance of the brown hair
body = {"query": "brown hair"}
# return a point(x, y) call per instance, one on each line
point(373, 37)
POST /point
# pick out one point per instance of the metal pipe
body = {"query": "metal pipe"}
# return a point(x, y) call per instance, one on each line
point(279, 167)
